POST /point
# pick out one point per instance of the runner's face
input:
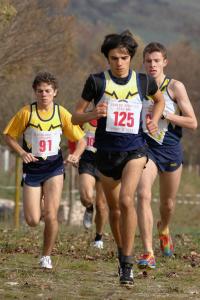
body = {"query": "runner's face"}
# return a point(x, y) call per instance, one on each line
point(154, 64)
point(45, 95)
point(119, 60)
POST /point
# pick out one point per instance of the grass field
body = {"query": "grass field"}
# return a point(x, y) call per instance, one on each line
point(81, 272)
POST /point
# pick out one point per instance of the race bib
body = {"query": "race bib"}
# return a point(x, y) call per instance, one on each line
point(46, 143)
point(90, 136)
point(162, 124)
point(123, 116)
point(146, 113)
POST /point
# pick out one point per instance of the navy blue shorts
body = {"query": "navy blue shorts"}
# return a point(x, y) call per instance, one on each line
point(111, 164)
point(166, 158)
point(37, 180)
point(88, 167)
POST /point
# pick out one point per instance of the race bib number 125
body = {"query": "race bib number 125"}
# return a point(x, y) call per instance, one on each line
point(123, 116)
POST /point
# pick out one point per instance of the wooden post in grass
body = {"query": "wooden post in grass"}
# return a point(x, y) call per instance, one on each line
point(71, 193)
point(17, 190)
point(71, 187)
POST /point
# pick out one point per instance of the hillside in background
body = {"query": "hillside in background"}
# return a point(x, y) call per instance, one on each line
point(167, 21)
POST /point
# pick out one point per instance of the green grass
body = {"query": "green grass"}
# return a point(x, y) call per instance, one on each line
point(81, 272)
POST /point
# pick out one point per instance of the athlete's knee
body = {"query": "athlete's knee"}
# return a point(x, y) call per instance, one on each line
point(86, 201)
point(126, 201)
point(101, 208)
point(114, 211)
point(86, 198)
point(50, 219)
point(31, 221)
point(51, 216)
point(168, 205)
point(143, 197)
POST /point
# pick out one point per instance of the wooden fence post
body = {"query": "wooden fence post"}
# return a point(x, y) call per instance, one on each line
point(71, 193)
point(17, 190)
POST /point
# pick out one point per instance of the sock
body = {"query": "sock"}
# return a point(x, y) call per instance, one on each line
point(149, 252)
point(98, 237)
point(161, 230)
point(90, 208)
point(119, 251)
point(165, 231)
point(127, 259)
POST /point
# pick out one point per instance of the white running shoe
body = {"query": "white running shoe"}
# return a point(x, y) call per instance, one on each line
point(98, 244)
point(88, 218)
point(45, 262)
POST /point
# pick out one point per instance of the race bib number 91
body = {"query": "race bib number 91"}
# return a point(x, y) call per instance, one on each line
point(123, 116)
point(45, 143)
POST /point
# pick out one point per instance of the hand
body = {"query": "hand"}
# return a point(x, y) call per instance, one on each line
point(101, 110)
point(151, 125)
point(72, 159)
point(28, 157)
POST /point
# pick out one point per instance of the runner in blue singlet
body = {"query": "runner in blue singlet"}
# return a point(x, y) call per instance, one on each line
point(121, 154)
point(165, 154)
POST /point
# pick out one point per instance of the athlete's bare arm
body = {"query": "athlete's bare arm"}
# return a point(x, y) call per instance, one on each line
point(26, 157)
point(75, 156)
point(80, 115)
point(159, 104)
point(178, 92)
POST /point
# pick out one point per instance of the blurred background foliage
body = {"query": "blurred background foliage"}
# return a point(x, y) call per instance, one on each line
point(64, 37)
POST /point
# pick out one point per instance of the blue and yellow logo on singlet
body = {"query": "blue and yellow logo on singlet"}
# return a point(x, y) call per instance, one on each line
point(117, 91)
point(37, 124)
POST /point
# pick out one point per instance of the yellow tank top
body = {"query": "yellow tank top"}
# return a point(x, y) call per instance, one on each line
point(42, 136)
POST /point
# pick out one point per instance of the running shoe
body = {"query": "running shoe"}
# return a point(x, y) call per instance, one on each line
point(146, 261)
point(45, 262)
point(88, 218)
point(126, 274)
point(98, 244)
point(166, 244)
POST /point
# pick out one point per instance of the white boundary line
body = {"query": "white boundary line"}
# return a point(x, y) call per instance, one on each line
point(186, 202)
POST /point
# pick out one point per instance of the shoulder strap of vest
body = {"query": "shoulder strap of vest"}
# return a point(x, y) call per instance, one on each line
point(99, 83)
point(57, 106)
point(165, 83)
point(31, 110)
point(143, 82)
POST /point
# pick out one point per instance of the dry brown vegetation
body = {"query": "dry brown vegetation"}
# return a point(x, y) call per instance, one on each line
point(184, 62)
point(45, 37)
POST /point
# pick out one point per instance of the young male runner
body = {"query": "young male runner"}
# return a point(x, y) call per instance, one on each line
point(42, 123)
point(90, 187)
point(121, 149)
point(165, 153)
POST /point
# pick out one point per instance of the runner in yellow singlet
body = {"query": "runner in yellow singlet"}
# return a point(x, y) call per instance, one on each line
point(42, 123)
